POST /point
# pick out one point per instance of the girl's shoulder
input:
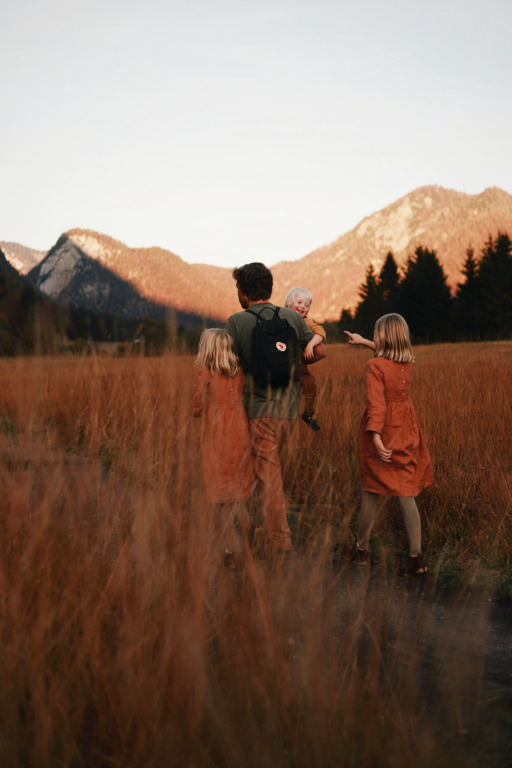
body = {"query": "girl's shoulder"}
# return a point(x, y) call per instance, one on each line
point(386, 368)
point(377, 363)
point(204, 374)
point(385, 362)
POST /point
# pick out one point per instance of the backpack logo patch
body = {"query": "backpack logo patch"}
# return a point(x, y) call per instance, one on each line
point(281, 346)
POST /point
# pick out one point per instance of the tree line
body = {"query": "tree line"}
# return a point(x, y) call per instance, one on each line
point(479, 309)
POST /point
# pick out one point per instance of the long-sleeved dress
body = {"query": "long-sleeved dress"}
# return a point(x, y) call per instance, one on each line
point(390, 412)
point(225, 444)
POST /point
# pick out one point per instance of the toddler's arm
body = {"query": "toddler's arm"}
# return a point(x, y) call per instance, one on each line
point(356, 338)
point(309, 351)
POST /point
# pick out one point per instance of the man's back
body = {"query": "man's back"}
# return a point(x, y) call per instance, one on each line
point(276, 402)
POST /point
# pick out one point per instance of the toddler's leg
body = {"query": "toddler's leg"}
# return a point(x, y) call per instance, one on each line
point(367, 514)
point(309, 389)
point(412, 523)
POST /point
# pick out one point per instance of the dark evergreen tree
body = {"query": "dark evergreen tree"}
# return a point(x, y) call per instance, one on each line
point(389, 284)
point(368, 309)
point(424, 298)
point(495, 279)
point(346, 321)
point(467, 308)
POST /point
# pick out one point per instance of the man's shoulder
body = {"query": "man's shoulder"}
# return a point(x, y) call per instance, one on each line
point(247, 316)
point(235, 316)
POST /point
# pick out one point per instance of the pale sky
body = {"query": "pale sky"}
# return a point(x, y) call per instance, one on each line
point(239, 130)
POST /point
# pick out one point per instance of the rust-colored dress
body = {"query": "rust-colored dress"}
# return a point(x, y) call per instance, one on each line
point(390, 412)
point(225, 445)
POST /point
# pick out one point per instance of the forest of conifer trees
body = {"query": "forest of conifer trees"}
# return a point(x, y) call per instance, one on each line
point(481, 307)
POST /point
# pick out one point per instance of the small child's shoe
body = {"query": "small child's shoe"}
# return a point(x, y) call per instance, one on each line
point(416, 566)
point(309, 418)
point(360, 556)
point(229, 559)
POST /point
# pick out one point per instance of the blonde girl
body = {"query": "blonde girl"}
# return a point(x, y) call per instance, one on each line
point(393, 457)
point(225, 446)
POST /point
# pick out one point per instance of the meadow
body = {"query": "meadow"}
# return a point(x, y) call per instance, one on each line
point(126, 642)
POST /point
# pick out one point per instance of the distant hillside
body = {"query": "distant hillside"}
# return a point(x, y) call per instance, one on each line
point(23, 259)
point(437, 218)
point(95, 271)
point(7, 270)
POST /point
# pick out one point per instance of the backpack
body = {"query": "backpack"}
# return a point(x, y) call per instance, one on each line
point(275, 351)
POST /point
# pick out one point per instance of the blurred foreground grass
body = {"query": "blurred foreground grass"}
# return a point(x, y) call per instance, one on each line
point(126, 642)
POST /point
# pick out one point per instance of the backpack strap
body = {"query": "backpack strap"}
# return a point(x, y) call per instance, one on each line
point(258, 314)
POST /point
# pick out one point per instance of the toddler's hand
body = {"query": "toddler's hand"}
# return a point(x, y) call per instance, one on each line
point(309, 351)
point(384, 453)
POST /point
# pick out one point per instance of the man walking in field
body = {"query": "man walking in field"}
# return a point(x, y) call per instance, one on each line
point(272, 410)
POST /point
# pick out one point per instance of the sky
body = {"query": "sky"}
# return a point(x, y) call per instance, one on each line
point(232, 131)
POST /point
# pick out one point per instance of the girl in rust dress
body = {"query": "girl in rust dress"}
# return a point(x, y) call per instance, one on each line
point(225, 445)
point(393, 457)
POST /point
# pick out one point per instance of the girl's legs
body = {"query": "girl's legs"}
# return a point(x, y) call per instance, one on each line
point(367, 514)
point(412, 523)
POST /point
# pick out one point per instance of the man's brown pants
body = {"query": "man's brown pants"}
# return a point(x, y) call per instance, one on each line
point(267, 436)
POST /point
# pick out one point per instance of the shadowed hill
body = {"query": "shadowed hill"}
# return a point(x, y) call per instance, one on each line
point(71, 276)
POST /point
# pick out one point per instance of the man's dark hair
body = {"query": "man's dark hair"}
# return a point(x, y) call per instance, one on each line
point(254, 280)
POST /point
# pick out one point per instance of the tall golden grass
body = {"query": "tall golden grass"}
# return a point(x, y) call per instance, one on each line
point(125, 641)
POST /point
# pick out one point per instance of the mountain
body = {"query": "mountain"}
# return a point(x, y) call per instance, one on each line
point(23, 259)
point(440, 219)
point(97, 272)
point(6, 268)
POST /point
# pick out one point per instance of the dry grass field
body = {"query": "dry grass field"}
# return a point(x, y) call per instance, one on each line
point(126, 642)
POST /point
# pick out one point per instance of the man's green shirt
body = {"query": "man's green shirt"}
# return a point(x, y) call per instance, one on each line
point(276, 402)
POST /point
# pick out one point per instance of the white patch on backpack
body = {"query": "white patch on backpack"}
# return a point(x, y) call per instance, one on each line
point(281, 346)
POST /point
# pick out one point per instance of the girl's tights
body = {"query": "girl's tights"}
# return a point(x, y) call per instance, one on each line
point(410, 512)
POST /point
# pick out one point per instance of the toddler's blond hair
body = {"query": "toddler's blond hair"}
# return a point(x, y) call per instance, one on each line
point(293, 292)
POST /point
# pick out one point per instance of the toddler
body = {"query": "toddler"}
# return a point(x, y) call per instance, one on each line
point(300, 300)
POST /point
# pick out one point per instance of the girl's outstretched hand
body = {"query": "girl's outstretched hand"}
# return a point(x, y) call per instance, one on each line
point(356, 338)
point(384, 453)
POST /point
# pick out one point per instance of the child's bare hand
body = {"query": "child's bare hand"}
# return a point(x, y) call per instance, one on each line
point(384, 453)
point(354, 338)
point(309, 351)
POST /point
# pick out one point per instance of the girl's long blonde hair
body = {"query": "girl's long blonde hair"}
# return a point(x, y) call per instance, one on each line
point(392, 339)
point(216, 352)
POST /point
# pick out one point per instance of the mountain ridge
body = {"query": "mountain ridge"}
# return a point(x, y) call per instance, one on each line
point(21, 257)
point(432, 216)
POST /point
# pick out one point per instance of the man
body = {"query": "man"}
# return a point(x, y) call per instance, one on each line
point(272, 411)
